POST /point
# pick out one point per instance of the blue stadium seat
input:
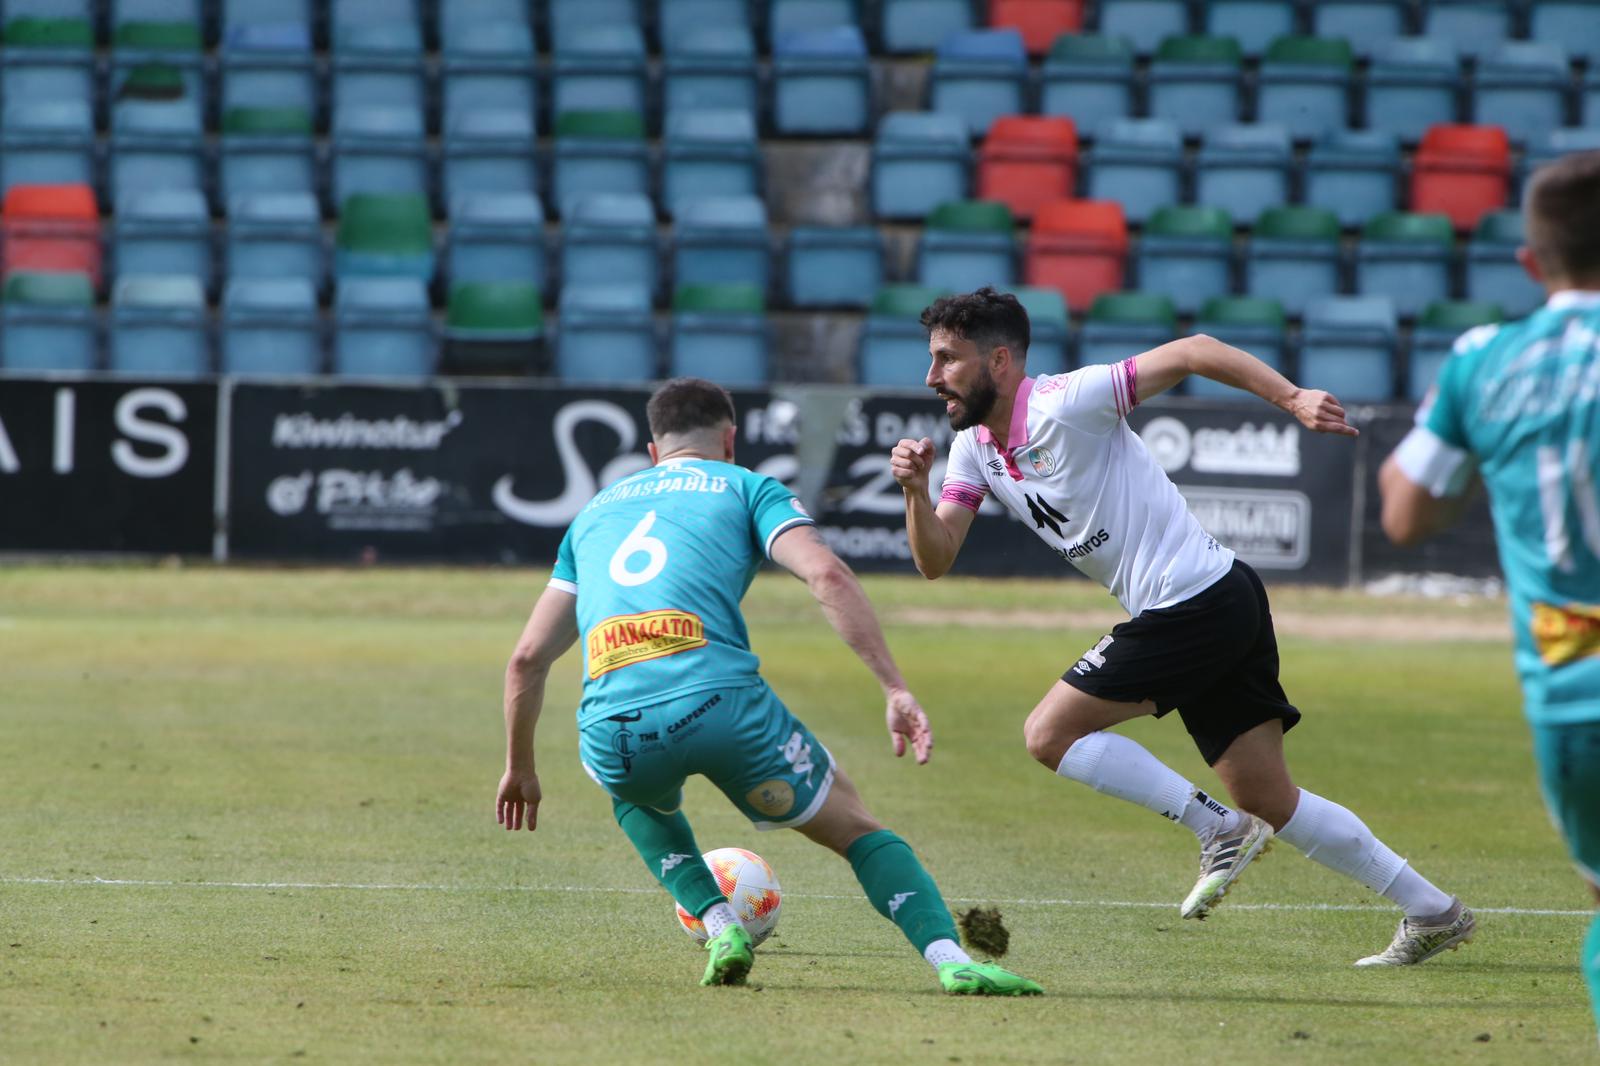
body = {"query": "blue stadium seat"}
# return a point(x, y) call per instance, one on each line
point(158, 326)
point(1555, 144)
point(1243, 169)
point(156, 146)
point(1088, 79)
point(490, 150)
point(1048, 325)
point(270, 326)
point(979, 75)
point(968, 245)
point(347, 16)
point(1364, 23)
point(921, 25)
point(821, 83)
point(276, 235)
point(1293, 256)
point(834, 266)
point(573, 17)
point(894, 347)
point(599, 67)
point(1197, 82)
point(378, 149)
point(1412, 84)
point(797, 16)
point(164, 232)
point(1493, 273)
point(682, 21)
point(383, 328)
point(1406, 257)
point(721, 240)
point(600, 152)
point(252, 14)
point(606, 335)
point(711, 67)
point(38, 74)
point(393, 38)
point(126, 11)
point(1253, 23)
point(486, 65)
point(1252, 323)
point(1304, 85)
point(362, 79)
point(47, 142)
point(729, 343)
point(51, 327)
point(1474, 26)
point(919, 161)
point(1568, 23)
point(1138, 163)
point(1186, 254)
point(709, 153)
point(1354, 173)
point(273, 155)
point(1435, 335)
point(497, 237)
point(1144, 22)
point(1123, 324)
point(1348, 347)
point(266, 69)
point(609, 239)
point(1589, 100)
point(1522, 86)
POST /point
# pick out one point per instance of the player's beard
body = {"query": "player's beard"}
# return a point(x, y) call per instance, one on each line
point(975, 403)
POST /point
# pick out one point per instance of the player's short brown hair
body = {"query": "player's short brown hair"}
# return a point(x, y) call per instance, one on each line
point(986, 318)
point(689, 405)
point(1561, 213)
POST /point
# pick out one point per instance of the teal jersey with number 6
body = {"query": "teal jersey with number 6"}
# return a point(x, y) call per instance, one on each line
point(1521, 400)
point(659, 562)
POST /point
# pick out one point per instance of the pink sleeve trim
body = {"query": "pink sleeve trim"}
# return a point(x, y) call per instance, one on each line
point(1130, 385)
point(963, 495)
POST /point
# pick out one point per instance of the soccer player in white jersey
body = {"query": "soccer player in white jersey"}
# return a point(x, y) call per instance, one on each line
point(1058, 452)
point(1520, 402)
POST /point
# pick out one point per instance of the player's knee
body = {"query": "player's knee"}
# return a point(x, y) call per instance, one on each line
point(1047, 739)
point(1272, 804)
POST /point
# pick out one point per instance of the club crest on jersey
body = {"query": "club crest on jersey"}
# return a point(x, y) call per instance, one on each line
point(1044, 464)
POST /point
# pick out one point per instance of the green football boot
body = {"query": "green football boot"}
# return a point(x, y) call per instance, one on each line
point(984, 979)
point(732, 955)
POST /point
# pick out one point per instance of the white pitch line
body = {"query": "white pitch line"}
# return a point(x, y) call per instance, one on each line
point(357, 886)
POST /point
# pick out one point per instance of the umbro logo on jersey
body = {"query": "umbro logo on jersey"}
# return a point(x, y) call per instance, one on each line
point(996, 468)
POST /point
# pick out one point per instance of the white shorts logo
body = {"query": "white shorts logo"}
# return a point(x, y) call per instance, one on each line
point(798, 754)
point(1094, 657)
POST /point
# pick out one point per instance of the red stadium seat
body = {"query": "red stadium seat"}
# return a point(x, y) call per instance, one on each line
point(51, 228)
point(1041, 21)
point(1078, 247)
point(1028, 161)
point(1463, 172)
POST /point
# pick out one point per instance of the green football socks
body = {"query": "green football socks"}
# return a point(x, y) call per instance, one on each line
point(666, 844)
point(901, 889)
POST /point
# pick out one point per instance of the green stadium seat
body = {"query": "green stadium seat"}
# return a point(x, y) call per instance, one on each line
point(1088, 79)
point(47, 322)
point(1293, 256)
point(1305, 85)
point(494, 327)
point(1186, 253)
point(1406, 257)
point(1250, 322)
point(966, 245)
point(385, 235)
point(1123, 324)
point(1197, 82)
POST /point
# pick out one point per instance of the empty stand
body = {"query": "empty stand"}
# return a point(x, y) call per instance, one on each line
point(833, 266)
point(1027, 161)
point(1079, 248)
point(1186, 254)
point(967, 245)
point(919, 161)
point(1123, 324)
point(720, 332)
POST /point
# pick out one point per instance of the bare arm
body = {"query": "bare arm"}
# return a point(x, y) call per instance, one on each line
point(551, 630)
point(835, 588)
point(1161, 368)
point(936, 534)
point(1411, 514)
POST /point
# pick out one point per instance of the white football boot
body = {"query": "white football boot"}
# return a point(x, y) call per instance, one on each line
point(1223, 859)
point(1416, 942)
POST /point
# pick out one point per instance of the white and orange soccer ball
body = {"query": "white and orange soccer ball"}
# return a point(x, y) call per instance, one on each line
point(751, 887)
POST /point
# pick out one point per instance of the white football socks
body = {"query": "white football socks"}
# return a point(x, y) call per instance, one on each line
point(1117, 766)
point(719, 916)
point(942, 951)
point(1332, 835)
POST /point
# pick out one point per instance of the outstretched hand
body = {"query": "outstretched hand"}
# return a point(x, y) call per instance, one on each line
point(908, 721)
point(1320, 411)
point(517, 802)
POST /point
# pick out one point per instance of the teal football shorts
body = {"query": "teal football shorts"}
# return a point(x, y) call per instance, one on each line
point(1569, 775)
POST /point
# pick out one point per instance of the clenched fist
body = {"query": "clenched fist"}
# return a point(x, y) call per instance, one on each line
point(910, 463)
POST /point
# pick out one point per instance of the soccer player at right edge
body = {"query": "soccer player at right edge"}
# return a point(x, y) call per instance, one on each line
point(1059, 453)
point(1520, 402)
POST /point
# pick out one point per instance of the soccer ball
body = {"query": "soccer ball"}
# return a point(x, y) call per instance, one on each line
point(751, 887)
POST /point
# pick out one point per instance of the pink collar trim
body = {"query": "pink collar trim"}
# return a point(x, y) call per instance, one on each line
point(1019, 419)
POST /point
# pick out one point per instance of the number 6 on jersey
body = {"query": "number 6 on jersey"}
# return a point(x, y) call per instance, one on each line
point(639, 542)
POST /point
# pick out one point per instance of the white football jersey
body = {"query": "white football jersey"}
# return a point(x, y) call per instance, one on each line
point(1076, 472)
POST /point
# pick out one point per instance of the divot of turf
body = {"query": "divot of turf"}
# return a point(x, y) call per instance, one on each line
point(984, 931)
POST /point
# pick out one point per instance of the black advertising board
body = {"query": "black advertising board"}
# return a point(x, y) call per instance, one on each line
point(107, 466)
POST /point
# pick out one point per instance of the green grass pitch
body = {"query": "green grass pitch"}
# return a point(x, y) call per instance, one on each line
point(195, 737)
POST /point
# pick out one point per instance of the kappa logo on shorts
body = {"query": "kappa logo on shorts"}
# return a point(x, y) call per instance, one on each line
point(1094, 658)
point(797, 753)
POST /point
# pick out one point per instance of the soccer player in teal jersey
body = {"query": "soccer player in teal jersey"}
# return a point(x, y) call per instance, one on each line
point(650, 576)
point(1517, 405)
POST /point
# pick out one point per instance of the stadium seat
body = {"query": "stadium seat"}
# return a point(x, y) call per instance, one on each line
point(383, 328)
point(158, 326)
point(919, 161)
point(1079, 248)
point(709, 153)
point(156, 145)
point(275, 235)
point(1364, 23)
point(47, 322)
point(979, 75)
point(266, 150)
point(1255, 24)
point(599, 67)
point(1186, 254)
point(1354, 173)
point(496, 236)
point(682, 20)
point(1305, 85)
point(1242, 169)
point(568, 18)
point(381, 80)
point(833, 266)
point(1522, 87)
point(721, 240)
point(921, 25)
point(600, 152)
point(384, 235)
point(1435, 335)
point(606, 335)
point(1347, 347)
point(1293, 256)
point(711, 67)
point(1406, 257)
point(487, 65)
point(1197, 82)
point(1039, 21)
point(1138, 163)
point(1568, 23)
point(490, 150)
point(51, 228)
point(966, 245)
point(1027, 161)
point(279, 77)
point(1122, 324)
point(48, 59)
point(270, 327)
point(720, 332)
point(46, 142)
point(494, 328)
point(609, 239)
point(1253, 323)
point(378, 150)
point(1145, 23)
point(793, 16)
point(1589, 101)
point(164, 232)
point(1049, 329)
point(1493, 273)
point(156, 26)
point(1461, 171)
point(821, 83)
point(1088, 79)
point(1412, 84)
point(1554, 145)
point(894, 346)
point(284, 16)
point(1473, 26)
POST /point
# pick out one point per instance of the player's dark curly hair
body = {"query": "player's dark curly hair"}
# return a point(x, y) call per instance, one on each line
point(986, 318)
point(1561, 209)
point(688, 405)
